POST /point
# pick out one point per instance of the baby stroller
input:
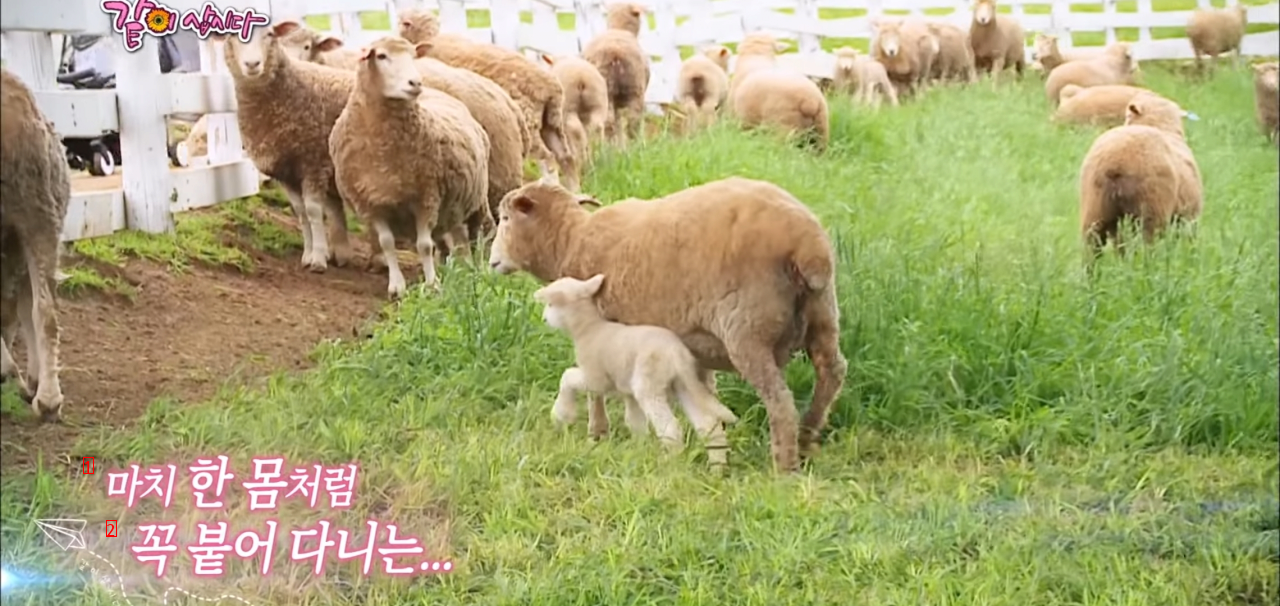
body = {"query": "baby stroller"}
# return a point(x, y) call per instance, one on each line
point(87, 65)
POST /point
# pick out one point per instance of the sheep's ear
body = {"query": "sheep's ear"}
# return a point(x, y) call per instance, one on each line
point(548, 59)
point(592, 285)
point(284, 28)
point(421, 49)
point(723, 52)
point(1134, 110)
point(328, 44)
point(637, 10)
point(405, 24)
point(367, 53)
point(523, 205)
point(588, 201)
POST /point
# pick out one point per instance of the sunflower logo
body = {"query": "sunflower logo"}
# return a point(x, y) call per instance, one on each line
point(159, 20)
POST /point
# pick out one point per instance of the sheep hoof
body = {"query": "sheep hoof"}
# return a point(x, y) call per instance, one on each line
point(341, 256)
point(313, 262)
point(49, 407)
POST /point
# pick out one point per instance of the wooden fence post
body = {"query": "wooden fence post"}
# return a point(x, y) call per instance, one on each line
point(144, 101)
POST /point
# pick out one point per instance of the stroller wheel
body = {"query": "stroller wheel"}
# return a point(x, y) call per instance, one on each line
point(104, 162)
point(180, 154)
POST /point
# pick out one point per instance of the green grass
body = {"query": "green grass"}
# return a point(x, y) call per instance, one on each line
point(1009, 433)
point(479, 18)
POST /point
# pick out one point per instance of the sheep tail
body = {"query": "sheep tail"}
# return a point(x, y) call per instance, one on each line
point(698, 88)
point(696, 394)
point(620, 81)
point(1119, 190)
point(811, 265)
point(811, 108)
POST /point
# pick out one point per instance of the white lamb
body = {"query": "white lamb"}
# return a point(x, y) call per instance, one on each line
point(643, 364)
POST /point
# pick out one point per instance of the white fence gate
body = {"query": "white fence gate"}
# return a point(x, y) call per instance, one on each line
point(150, 192)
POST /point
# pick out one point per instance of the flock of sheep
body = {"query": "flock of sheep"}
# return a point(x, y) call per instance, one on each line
point(424, 134)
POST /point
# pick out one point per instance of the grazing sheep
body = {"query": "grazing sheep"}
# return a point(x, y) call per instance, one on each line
point(784, 98)
point(1105, 105)
point(1142, 170)
point(644, 364)
point(286, 110)
point(586, 101)
point(1215, 32)
point(955, 58)
point(997, 41)
point(617, 54)
point(1266, 90)
point(536, 91)
point(1049, 56)
point(906, 49)
point(34, 193)
point(405, 153)
point(739, 268)
point(756, 51)
point(1114, 66)
point(866, 79)
point(703, 84)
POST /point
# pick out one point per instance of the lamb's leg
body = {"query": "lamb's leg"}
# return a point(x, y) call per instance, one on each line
point(822, 344)
point(634, 415)
point(597, 417)
point(313, 202)
point(42, 263)
point(426, 223)
point(565, 410)
point(340, 244)
point(755, 362)
point(652, 400)
point(387, 242)
point(300, 212)
point(709, 427)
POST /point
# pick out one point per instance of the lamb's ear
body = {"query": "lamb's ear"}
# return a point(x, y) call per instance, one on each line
point(588, 201)
point(523, 205)
point(592, 285)
point(284, 28)
point(421, 49)
point(1134, 110)
point(329, 43)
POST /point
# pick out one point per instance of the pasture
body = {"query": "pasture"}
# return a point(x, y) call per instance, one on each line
point(1009, 433)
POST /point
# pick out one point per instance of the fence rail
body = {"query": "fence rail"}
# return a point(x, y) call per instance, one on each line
point(150, 193)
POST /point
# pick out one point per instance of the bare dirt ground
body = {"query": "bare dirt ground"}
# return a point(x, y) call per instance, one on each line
point(185, 335)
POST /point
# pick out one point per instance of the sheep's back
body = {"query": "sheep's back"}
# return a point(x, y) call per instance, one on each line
point(36, 181)
point(1104, 105)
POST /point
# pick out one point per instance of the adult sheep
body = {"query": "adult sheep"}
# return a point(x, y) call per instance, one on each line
point(997, 41)
point(34, 193)
point(739, 268)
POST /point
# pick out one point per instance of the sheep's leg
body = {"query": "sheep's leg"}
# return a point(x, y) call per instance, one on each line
point(565, 410)
point(9, 366)
point(822, 344)
point(709, 427)
point(997, 68)
point(756, 363)
point(634, 415)
point(427, 247)
point(889, 91)
point(300, 212)
point(313, 203)
point(42, 262)
point(340, 244)
point(387, 242)
point(653, 403)
point(597, 417)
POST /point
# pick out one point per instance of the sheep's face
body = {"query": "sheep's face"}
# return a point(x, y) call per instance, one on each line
point(625, 17)
point(890, 38)
point(1146, 109)
point(528, 218)
point(761, 44)
point(418, 25)
point(984, 12)
point(1046, 46)
point(1267, 75)
point(718, 55)
point(388, 66)
point(300, 44)
point(561, 296)
point(256, 58)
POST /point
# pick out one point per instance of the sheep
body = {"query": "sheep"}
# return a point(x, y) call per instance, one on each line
point(1142, 170)
point(756, 51)
point(537, 92)
point(586, 101)
point(1217, 31)
point(1104, 105)
point(955, 58)
point(617, 54)
point(703, 83)
point(907, 49)
point(1049, 56)
point(286, 110)
point(404, 152)
point(739, 268)
point(997, 41)
point(866, 79)
point(644, 364)
point(784, 98)
point(1266, 90)
point(34, 194)
point(1114, 66)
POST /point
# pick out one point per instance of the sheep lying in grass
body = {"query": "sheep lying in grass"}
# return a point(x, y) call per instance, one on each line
point(955, 58)
point(756, 51)
point(1215, 32)
point(1050, 56)
point(407, 156)
point(1266, 90)
point(866, 79)
point(286, 110)
point(786, 100)
point(586, 101)
point(997, 41)
point(703, 84)
point(644, 364)
point(1105, 105)
point(907, 50)
point(1143, 171)
point(617, 55)
point(739, 268)
point(34, 193)
point(536, 91)
point(1114, 66)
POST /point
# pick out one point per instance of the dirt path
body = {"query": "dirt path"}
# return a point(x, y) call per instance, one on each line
point(184, 336)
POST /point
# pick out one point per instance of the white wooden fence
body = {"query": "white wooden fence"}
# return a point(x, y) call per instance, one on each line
point(151, 192)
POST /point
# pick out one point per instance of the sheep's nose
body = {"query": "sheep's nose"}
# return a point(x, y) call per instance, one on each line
point(494, 264)
point(415, 84)
point(252, 64)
